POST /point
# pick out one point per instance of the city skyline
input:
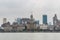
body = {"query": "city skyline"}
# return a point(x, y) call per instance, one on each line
point(30, 25)
point(44, 19)
point(41, 22)
point(29, 29)
point(23, 8)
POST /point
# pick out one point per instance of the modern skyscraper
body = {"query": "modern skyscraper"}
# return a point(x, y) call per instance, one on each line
point(44, 19)
point(19, 20)
point(22, 20)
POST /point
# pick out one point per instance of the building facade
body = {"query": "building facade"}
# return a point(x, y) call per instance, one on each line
point(56, 23)
point(44, 19)
point(4, 20)
point(43, 27)
point(18, 20)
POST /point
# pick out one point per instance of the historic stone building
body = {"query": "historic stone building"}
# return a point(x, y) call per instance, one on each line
point(31, 25)
point(56, 23)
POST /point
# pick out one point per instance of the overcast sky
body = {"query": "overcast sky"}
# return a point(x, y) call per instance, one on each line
point(12, 9)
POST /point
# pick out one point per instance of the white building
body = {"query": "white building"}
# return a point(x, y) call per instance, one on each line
point(43, 26)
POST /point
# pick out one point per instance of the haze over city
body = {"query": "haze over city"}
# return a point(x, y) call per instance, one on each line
point(12, 9)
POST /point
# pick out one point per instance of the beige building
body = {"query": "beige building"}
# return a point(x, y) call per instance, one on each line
point(4, 20)
point(31, 26)
point(14, 27)
point(43, 26)
point(7, 28)
point(20, 27)
point(31, 23)
point(17, 27)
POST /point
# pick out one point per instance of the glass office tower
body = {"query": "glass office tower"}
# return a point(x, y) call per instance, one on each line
point(44, 19)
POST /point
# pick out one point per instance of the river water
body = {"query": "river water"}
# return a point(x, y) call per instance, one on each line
point(29, 36)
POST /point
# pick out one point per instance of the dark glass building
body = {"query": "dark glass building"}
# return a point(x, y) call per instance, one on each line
point(19, 20)
point(22, 20)
point(44, 19)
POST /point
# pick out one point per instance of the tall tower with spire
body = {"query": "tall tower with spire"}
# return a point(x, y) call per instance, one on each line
point(31, 17)
point(55, 20)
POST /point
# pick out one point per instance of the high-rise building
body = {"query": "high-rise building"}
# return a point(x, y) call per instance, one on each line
point(25, 20)
point(31, 17)
point(55, 20)
point(56, 23)
point(19, 20)
point(44, 19)
point(4, 20)
point(22, 20)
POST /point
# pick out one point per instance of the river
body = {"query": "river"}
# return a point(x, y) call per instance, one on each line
point(29, 36)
